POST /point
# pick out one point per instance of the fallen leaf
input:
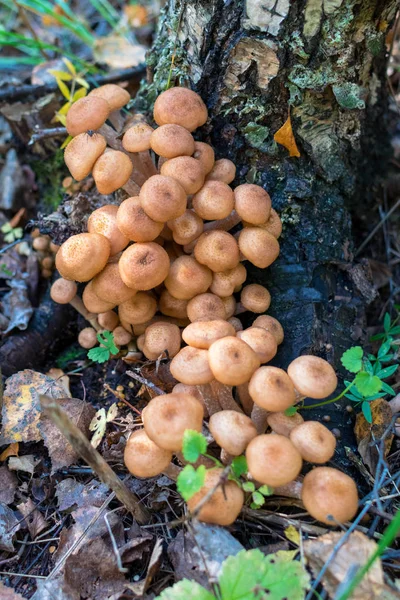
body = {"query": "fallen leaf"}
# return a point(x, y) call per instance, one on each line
point(9, 526)
point(7, 593)
point(54, 589)
point(25, 463)
point(292, 534)
point(21, 405)
point(366, 433)
point(8, 485)
point(59, 376)
point(117, 52)
point(33, 518)
point(285, 137)
point(11, 450)
point(140, 587)
point(72, 494)
point(99, 423)
point(16, 306)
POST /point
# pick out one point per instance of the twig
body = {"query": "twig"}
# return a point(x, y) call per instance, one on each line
point(145, 382)
point(47, 133)
point(122, 399)
point(377, 228)
point(121, 568)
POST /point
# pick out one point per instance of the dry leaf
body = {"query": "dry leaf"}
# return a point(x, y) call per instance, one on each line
point(292, 534)
point(365, 432)
point(285, 137)
point(117, 52)
point(9, 525)
point(25, 463)
point(11, 450)
point(140, 587)
point(99, 423)
point(70, 493)
point(33, 518)
point(59, 376)
point(8, 485)
point(7, 593)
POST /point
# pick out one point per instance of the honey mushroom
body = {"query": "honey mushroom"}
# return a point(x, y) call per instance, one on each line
point(82, 256)
point(218, 250)
point(205, 306)
point(204, 153)
point(134, 223)
point(116, 97)
point(143, 266)
point(273, 460)
point(224, 505)
point(328, 492)
point(104, 221)
point(161, 338)
point(143, 458)
point(87, 338)
point(215, 200)
point(313, 377)
point(261, 341)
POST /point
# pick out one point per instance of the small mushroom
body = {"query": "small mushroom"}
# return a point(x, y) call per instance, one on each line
point(137, 137)
point(172, 307)
point(204, 153)
point(160, 339)
point(122, 337)
point(104, 221)
point(180, 106)
point(252, 203)
point(283, 424)
point(214, 200)
point(87, 338)
point(162, 198)
point(272, 389)
point(224, 283)
point(223, 170)
point(233, 431)
point(63, 291)
point(93, 303)
point(109, 286)
point(272, 325)
point(143, 458)
point(139, 309)
point(171, 141)
point(236, 323)
point(256, 298)
point(314, 441)
point(87, 114)
point(187, 171)
point(313, 377)
point(134, 223)
point(111, 171)
point(329, 492)
point(82, 256)
point(187, 278)
point(232, 361)
point(186, 228)
point(261, 341)
point(218, 250)
point(273, 225)
point(230, 306)
point(191, 366)
point(144, 266)
point(273, 460)
point(202, 334)
point(82, 152)
point(116, 97)
point(225, 504)
point(258, 246)
point(205, 306)
point(193, 390)
point(108, 320)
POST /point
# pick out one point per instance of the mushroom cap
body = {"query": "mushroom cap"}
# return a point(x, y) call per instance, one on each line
point(283, 424)
point(255, 298)
point(109, 286)
point(205, 306)
point(161, 338)
point(139, 309)
point(273, 225)
point(218, 250)
point(180, 106)
point(183, 388)
point(314, 441)
point(134, 223)
point(223, 170)
point(312, 376)
point(327, 491)
point(258, 246)
point(92, 302)
point(272, 389)
point(115, 95)
point(63, 291)
point(214, 200)
point(230, 306)
point(143, 458)
point(225, 504)
point(261, 341)
point(162, 198)
point(202, 334)
point(186, 228)
point(137, 137)
point(225, 282)
point(273, 460)
point(187, 278)
point(191, 366)
point(236, 323)
point(82, 152)
point(82, 256)
point(144, 266)
point(172, 307)
point(187, 171)
point(232, 361)
point(272, 325)
point(122, 337)
point(87, 114)
point(111, 171)
point(167, 417)
point(87, 338)
point(204, 153)
point(103, 220)
point(232, 430)
point(108, 320)
point(252, 203)
point(171, 141)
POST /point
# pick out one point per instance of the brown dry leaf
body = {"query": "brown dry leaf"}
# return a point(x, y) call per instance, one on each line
point(8, 485)
point(117, 52)
point(11, 450)
point(25, 463)
point(21, 405)
point(59, 376)
point(365, 432)
point(34, 520)
point(9, 526)
point(285, 137)
point(154, 565)
point(54, 589)
point(70, 493)
point(7, 593)
point(61, 452)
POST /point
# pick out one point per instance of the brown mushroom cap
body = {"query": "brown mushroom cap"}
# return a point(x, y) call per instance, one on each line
point(261, 341)
point(204, 153)
point(162, 198)
point(103, 220)
point(122, 337)
point(314, 441)
point(87, 338)
point(82, 152)
point(273, 460)
point(191, 366)
point(202, 334)
point(172, 307)
point(111, 171)
point(272, 325)
point(187, 171)
point(252, 203)
point(272, 389)
point(109, 286)
point(87, 114)
point(258, 246)
point(139, 309)
point(161, 338)
point(186, 228)
point(108, 320)
point(137, 137)
point(232, 361)
point(134, 223)
point(273, 225)
point(63, 291)
point(225, 282)
point(218, 250)
point(283, 424)
point(230, 306)
point(255, 298)
point(180, 106)
point(93, 303)
point(214, 200)
point(205, 306)
point(143, 458)
point(327, 491)
point(167, 417)
point(187, 278)
point(225, 504)
point(312, 376)
point(115, 95)
point(171, 141)
point(223, 170)
point(82, 256)
point(183, 388)
point(232, 430)
point(143, 266)
point(236, 323)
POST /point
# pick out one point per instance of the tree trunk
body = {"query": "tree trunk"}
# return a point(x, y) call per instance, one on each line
point(321, 62)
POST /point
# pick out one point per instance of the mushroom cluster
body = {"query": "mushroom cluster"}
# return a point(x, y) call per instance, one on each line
point(162, 271)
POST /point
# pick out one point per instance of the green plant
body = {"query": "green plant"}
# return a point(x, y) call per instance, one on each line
point(107, 347)
point(11, 234)
point(250, 575)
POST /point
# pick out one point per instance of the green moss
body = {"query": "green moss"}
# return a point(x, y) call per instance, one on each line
point(349, 95)
point(290, 215)
point(49, 175)
point(256, 135)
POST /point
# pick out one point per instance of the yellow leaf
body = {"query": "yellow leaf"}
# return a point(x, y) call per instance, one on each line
point(79, 94)
point(63, 88)
point(83, 82)
point(287, 555)
point(60, 74)
point(69, 65)
point(61, 119)
point(11, 450)
point(98, 425)
point(64, 109)
point(285, 137)
point(66, 142)
point(292, 535)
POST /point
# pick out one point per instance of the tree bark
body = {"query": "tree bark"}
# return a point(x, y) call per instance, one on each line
point(322, 62)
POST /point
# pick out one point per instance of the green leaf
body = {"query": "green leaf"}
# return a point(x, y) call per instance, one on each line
point(352, 359)
point(99, 354)
point(106, 339)
point(353, 390)
point(239, 466)
point(249, 486)
point(250, 575)
point(190, 481)
point(387, 371)
point(6, 228)
point(194, 445)
point(378, 336)
point(352, 398)
point(367, 384)
point(186, 589)
point(368, 366)
point(386, 322)
point(292, 410)
point(395, 330)
point(389, 390)
point(366, 410)
point(258, 499)
point(384, 349)
point(265, 490)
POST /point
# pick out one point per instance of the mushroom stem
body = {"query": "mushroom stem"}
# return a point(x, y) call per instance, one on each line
point(131, 188)
point(202, 460)
point(78, 305)
point(225, 457)
point(245, 399)
point(259, 417)
point(172, 471)
point(117, 120)
point(221, 224)
point(147, 162)
point(110, 135)
point(240, 309)
point(290, 490)
point(224, 395)
point(210, 400)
